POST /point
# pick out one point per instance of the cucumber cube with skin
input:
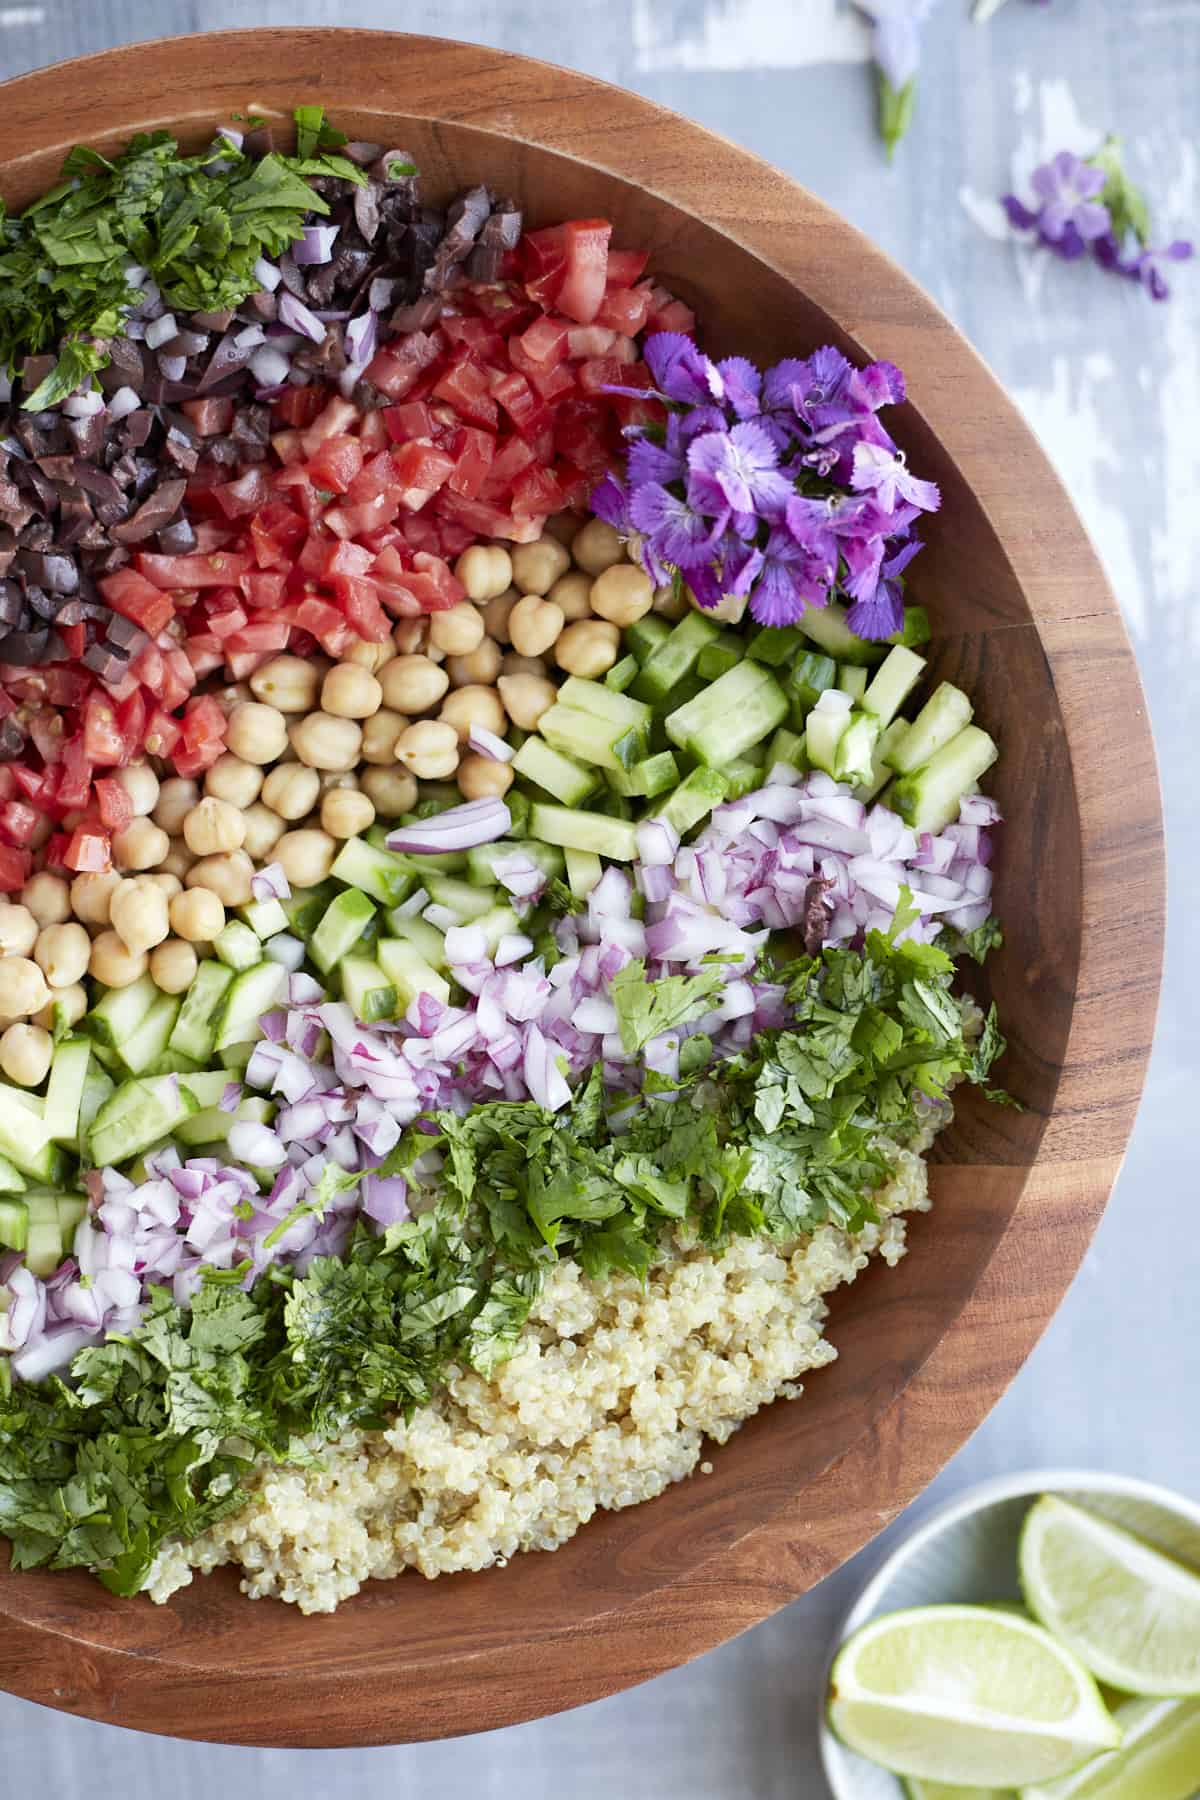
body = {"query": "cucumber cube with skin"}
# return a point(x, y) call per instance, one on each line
point(584, 870)
point(940, 720)
point(554, 771)
point(827, 721)
point(693, 800)
point(728, 718)
point(409, 973)
point(892, 683)
point(622, 675)
point(646, 634)
point(852, 680)
point(426, 939)
point(461, 897)
point(676, 656)
point(574, 830)
point(367, 990)
point(827, 628)
point(881, 774)
point(265, 917)
point(238, 945)
point(383, 875)
point(853, 759)
point(343, 924)
point(807, 679)
point(929, 798)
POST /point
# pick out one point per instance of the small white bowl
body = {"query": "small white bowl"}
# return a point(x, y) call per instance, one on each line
point(967, 1552)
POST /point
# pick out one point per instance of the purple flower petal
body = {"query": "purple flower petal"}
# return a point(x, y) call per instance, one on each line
point(676, 531)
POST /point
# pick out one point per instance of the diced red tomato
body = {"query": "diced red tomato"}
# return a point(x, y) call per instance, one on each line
point(137, 599)
point(326, 624)
point(465, 387)
point(299, 406)
point(582, 290)
point(265, 589)
point(535, 491)
point(360, 599)
point(626, 266)
point(625, 309)
point(288, 447)
point(336, 464)
point(14, 869)
point(103, 741)
point(209, 418)
point(18, 822)
point(552, 383)
point(408, 419)
point(333, 417)
point(162, 733)
point(87, 851)
point(396, 368)
point(545, 341)
point(116, 807)
point(473, 452)
point(673, 316)
point(180, 572)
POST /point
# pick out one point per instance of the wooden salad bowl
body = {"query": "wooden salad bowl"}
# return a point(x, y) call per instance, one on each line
point(1025, 622)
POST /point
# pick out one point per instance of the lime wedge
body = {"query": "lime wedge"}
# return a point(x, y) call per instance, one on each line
point(969, 1695)
point(1131, 1614)
point(1159, 1758)
point(916, 1789)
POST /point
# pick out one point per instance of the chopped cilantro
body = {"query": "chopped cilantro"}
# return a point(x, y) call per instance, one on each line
point(645, 1009)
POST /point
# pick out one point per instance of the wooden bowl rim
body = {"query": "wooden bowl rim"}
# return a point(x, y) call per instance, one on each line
point(974, 1360)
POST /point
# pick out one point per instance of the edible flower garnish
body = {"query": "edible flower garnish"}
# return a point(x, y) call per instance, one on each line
point(783, 487)
point(896, 48)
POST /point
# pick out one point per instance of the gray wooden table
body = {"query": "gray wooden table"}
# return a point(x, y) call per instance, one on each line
point(1111, 383)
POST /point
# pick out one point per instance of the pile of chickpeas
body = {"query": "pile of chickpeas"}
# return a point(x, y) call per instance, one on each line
point(315, 752)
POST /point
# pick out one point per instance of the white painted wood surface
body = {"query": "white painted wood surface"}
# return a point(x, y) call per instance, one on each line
point(1112, 384)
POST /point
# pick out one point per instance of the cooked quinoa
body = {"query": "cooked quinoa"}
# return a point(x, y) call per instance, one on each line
point(609, 1398)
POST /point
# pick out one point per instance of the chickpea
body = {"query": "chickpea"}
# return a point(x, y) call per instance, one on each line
point(572, 593)
point(114, 964)
point(589, 648)
point(481, 667)
point(537, 566)
point(167, 884)
point(18, 931)
point(391, 791)
point(62, 953)
point(345, 812)
point(497, 612)
point(526, 698)
point(288, 683)
point(523, 665)
point(597, 547)
point(264, 829)
point(91, 896)
point(458, 630)
point(429, 749)
point(411, 635)
point(23, 987)
point(140, 845)
point(173, 966)
point(291, 790)
point(380, 734)
point(334, 778)
point(413, 684)
point(142, 785)
point(196, 915)
point(323, 742)
point(305, 857)
point(48, 898)
point(256, 732)
point(66, 1003)
point(233, 780)
point(623, 594)
point(178, 860)
point(485, 570)
point(25, 1053)
point(369, 655)
point(535, 625)
point(565, 527)
point(481, 777)
point(350, 692)
point(671, 602)
point(227, 876)
point(236, 693)
point(139, 915)
point(469, 706)
point(214, 827)
point(176, 799)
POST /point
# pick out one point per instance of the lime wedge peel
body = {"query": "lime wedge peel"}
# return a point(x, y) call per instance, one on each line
point(966, 1695)
point(1131, 1614)
point(1159, 1758)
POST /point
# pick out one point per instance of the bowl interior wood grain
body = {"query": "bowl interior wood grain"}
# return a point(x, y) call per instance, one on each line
point(1024, 622)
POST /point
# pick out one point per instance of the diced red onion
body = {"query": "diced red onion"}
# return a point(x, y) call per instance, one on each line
point(123, 402)
point(161, 330)
point(488, 744)
point(267, 275)
point(459, 828)
point(362, 336)
point(297, 317)
point(84, 405)
point(315, 246)
point(269, 366)
point(256, 1144)
point(285, 949)
point(443, 917)
point(513, 947)
point(270, 883)
point(408, 909)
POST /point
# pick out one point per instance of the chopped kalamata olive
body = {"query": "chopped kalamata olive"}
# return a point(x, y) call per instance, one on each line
point(361, 152)
point(121, 634)
point(156, 511)
point(25, 649)
point(177, 538)
point(10, 602)
point(126, 367)
point(293, 280)
point(70, 612)
point(105, 660)
point(93, 480)
point(136, 428)
point(259, 142)
point(367, 214)
point(212, 321)
point(89, 434)
point(42, 605)
point(182, 449)
point(12, 739)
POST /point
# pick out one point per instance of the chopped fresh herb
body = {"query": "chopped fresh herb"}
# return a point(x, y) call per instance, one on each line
point(645, 1009)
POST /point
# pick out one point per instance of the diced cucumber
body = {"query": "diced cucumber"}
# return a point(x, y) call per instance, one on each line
point(446, 862)
point(140, 1113)
point(915, 631)
point(852, 680)
point(14, 1223)
point(387, 877)
point(646, 779)
point(593, 697)
point(939, 721)
point(170, 1063)
point(481, 862)
point(808, 678)
point(928, 799)
point(25, 1098)
point(25, 1141)
point(500, 922)
point(235, 1058)
point(265, 917)
point(64, 1090)
point(11, 1179)
point(826, 626)
point(409, 973)
point(195, 1030)
point(892, 683)
point(343, 924)
point(693, 800)
point(779, 646)
point(787, 747)
point(120, 1012)
point(426, 939)
point(207, 1086)
point(462, 897)
point(71, 1209)
point(366, 989)
point(880, 772)
point(305, 907)
point(645, 635)
point(826, 723)
point(554, 771)
point(729, 717)
point(676, 656)
point(62, 1019)
point(680, 694)
point(717, 658)
point(591, 738)
point(44, 1245)
point(98, 1088)
point(742, 777)
point(574, 830)
point(854, 759)
point(211, 1125)
point(622, 675)
point(584, 870)
point(145, 1045)
point(250, 995)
